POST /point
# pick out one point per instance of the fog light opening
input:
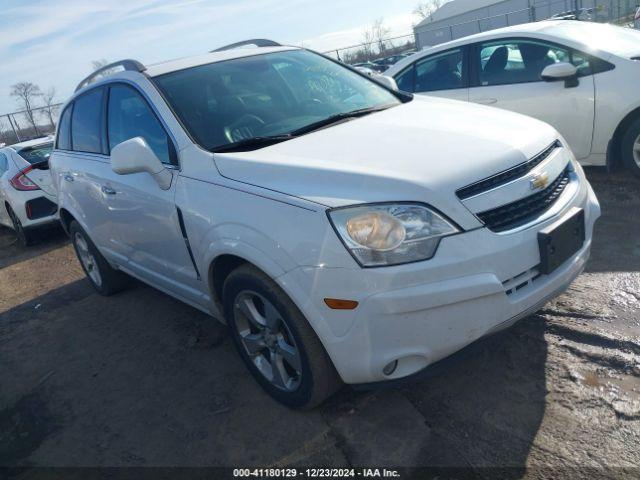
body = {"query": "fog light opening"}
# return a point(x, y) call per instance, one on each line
point(390, 368)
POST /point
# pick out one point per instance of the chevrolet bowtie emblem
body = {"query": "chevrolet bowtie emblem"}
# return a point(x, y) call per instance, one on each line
point(539, 181)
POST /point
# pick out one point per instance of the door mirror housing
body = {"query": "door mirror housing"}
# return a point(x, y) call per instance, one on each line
point(562, 71)
point(388, 82)
point(135, 156)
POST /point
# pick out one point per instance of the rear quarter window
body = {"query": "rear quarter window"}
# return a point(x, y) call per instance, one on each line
point(86, 122)
point(63, 141)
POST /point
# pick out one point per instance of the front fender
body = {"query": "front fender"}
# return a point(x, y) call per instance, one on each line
point(265, 261)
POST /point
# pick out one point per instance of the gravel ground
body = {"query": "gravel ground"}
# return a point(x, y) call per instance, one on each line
point(140, 379)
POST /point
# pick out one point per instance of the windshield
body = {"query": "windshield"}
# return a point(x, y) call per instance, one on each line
point(36, 154)
point(621, 41)
point(266, 95)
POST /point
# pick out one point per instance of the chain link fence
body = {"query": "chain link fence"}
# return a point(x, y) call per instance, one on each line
point(24, 125)
point(620, 12)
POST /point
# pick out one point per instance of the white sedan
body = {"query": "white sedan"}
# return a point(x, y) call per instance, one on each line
point(579, 77)
point(27, 196)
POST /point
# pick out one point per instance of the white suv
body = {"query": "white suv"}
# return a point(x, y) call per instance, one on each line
point(346, 232)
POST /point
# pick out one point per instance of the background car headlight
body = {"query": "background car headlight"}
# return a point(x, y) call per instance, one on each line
point(390, 234)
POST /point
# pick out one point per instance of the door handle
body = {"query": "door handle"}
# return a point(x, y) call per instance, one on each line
point(68, 178)
point(108, 190)
point(486, 101)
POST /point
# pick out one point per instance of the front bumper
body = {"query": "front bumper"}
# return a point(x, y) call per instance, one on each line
point(479, 282)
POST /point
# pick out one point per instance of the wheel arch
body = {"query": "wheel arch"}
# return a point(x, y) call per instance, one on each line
point(65, 219)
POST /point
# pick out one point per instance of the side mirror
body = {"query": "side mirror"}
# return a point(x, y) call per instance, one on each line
point(135, 156)
point(561, 71)
point(388, 82)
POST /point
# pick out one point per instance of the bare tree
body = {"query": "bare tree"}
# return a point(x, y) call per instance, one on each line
point(380, 33)
point(25, 93)
point(48, 99)
point(367, 47)
point(427, 8)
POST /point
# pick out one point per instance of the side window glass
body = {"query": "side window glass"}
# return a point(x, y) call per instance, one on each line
point(517, 61)
point(130, 116)
point(64, 130)
point(582, 62)
point(442, 72)
point(405, 79)
point(3, 163)
point(86, 122)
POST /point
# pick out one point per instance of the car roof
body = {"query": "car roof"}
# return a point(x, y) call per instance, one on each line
point(213, 57)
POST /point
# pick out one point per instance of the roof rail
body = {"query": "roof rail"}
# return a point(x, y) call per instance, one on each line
point(128, 65)
point(258, 42)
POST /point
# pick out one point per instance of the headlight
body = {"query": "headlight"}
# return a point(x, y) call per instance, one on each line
point(390, 234)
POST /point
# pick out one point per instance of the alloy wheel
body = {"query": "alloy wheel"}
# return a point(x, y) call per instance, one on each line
point(87, 259)
point(267, 340)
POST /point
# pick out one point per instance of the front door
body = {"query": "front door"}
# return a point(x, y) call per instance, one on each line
point(508, 75)
point(144, 216)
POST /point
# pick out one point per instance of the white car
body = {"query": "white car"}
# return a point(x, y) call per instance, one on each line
point(345, 232)
point(27, 197)
point(579, 77)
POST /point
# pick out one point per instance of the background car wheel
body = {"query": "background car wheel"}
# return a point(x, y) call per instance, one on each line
point(631, 147)
point(276, 342)
point(24, 237)
point(104, 278)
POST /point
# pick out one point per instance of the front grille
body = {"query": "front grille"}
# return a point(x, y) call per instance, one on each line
point(507, 175)
point(527, 209)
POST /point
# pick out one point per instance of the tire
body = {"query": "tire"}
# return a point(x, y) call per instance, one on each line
point(105, 279)
point(25, 238)
point(630, 147)
point(263, 319)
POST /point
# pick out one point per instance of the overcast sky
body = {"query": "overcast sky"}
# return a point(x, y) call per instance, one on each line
point(52, 43)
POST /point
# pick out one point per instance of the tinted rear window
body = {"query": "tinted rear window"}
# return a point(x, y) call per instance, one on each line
point(86, 122)
point(36, 154)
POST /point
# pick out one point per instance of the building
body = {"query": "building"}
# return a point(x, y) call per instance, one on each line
point(459, 18)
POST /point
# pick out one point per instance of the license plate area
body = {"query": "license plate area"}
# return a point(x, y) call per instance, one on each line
point(560, 241)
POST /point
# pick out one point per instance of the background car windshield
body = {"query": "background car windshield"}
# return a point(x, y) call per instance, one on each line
point(264, 95)
point(37, 154)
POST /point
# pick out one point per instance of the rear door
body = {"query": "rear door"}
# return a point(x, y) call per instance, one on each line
point(83, 167)
point(507, 74)
point(442, 74)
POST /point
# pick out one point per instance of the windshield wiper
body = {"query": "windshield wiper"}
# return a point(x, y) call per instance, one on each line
point(259, 142)
point(338, 117)
point(252, 143)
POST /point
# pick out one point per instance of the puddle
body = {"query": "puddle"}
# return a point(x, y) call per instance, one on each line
point(618, 385)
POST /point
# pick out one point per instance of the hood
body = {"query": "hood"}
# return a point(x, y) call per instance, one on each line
point(420, 151)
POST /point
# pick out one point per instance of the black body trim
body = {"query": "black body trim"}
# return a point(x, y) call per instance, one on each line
point(507, 175)
point(186, 241)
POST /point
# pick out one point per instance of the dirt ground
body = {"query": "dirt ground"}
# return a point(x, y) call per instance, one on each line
point(141, 379)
